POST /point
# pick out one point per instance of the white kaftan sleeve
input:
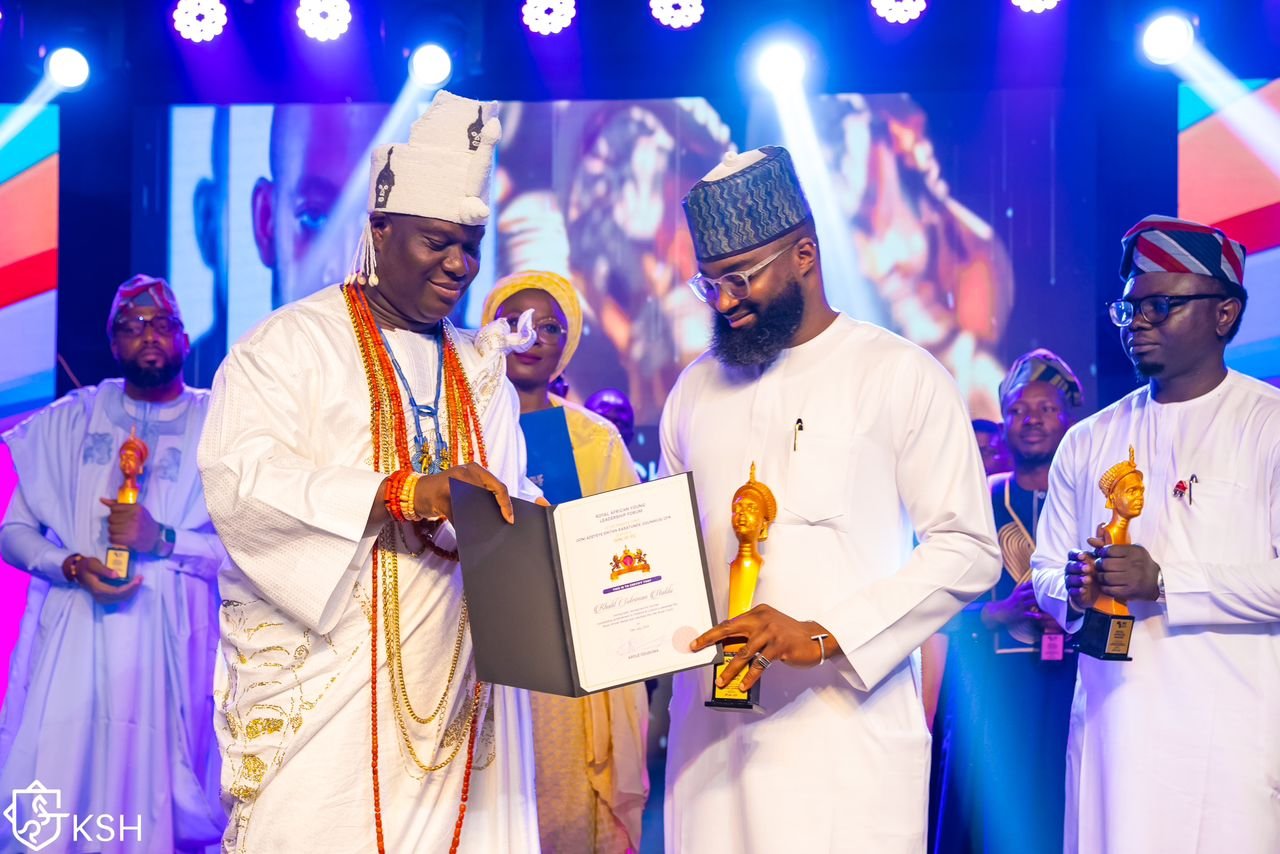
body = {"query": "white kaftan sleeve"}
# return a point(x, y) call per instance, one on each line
point(1056, 535)
point(1206, 594)
point(24, 545)
point(943, 488)
point(296, 526)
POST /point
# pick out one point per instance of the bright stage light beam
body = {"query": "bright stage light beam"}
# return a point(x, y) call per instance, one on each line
point(324, 20)
point(548, 17)
point(67, 69)
point(676, 14)
point(430, 66)
point(1168, 38)
point(1035, 6)
point(199, 20)
point(1257, 125)
point(780, 66)
point(899, 11)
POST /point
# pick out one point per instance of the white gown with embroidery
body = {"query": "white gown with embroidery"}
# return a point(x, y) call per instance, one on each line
point(287, 465)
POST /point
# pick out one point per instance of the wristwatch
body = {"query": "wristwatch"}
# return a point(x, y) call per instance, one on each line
point(1160, 584)
point(165, 542)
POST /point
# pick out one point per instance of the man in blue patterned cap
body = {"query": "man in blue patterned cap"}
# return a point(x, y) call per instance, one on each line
point(848, 425)
point(110, 694)
point(1176, 750)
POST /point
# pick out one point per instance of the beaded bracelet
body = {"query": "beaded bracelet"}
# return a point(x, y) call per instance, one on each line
point(391, 495)
point(408, 491)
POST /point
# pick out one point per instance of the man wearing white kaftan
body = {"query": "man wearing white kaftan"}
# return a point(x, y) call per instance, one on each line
point(1178, 750)
point(863, 438)
point(109, 701)
point(288, 466)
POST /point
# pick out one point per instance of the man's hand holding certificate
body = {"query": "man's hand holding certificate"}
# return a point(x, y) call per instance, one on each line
point(590, 594)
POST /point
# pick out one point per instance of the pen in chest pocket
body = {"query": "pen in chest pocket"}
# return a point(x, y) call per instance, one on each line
point(795, 434)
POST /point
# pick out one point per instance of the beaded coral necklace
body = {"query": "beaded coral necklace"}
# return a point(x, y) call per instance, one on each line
point(391, 453)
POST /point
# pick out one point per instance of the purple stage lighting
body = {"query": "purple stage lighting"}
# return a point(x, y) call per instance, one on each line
point(1036, 6)
point(898, 11)
point(676, 14)
point(199, 20)
point(548, 17)
point(324, 20)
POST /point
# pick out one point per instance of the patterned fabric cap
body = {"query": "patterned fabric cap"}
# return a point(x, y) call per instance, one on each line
point(1162, 244)
point(1041, 365)
point(560, 289)
point(143, 291)
point(747, 201)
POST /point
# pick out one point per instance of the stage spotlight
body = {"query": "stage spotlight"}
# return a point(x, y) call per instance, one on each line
point(1036, 6)
point(676, 13)
point(1168, 38)
point(199, 20)
point(898, 11)
point(324, 20)
point(67, 68)
point(780, 65)
point(548, 17)
point(430, 66)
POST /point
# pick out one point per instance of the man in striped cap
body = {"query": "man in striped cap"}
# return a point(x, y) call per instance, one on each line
point(1175, 751)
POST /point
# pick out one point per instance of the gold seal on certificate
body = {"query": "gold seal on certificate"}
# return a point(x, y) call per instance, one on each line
point(1108, 625)
point(628, 561)
point(133, 456)
point(754, 509)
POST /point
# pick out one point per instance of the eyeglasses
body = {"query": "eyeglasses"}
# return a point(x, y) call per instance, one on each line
point(132, 327)
point(737, 285)
point(1154, 308)
point(548, 330)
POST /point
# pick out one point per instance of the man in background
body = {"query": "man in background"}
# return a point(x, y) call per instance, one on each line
point(1010, 674)
point(110, 696)
point(991, 444)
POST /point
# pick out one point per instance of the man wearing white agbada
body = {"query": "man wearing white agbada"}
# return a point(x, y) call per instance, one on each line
point(863, 438)
point(109, 683)
point(350, 717)
point(1178, 750)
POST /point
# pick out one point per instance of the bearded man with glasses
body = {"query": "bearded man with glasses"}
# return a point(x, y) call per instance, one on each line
point(864, 440)
point(1176, 750)
point(110, 695)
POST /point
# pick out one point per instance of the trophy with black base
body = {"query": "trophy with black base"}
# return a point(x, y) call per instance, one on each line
point(133, 456)
point(754, 509)
point(1108, 625)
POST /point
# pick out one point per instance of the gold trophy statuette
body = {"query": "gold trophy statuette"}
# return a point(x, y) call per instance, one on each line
point(133, 456)
point(1108, 625)
point(754, 509)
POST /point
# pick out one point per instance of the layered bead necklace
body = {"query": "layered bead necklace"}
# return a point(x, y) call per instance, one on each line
point(392, 454)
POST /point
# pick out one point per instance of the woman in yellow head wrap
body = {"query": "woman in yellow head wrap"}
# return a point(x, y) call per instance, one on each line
point(590, 752)
point(598, 450)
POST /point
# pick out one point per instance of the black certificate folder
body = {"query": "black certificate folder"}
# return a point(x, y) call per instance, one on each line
point(590, 594)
